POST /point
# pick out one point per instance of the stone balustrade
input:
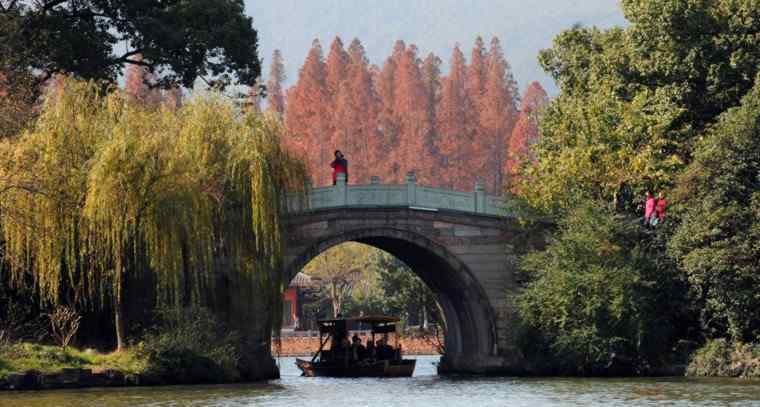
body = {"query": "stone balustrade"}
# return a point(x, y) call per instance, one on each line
point(409, 195)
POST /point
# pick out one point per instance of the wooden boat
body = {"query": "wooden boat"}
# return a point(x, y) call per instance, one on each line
point(341, 363)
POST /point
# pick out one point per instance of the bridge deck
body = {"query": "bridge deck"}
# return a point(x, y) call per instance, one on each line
point(399, 195)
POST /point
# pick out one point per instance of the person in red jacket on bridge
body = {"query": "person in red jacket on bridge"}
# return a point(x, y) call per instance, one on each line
point(339, 165)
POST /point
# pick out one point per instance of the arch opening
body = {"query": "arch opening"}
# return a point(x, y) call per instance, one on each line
point(468, 317)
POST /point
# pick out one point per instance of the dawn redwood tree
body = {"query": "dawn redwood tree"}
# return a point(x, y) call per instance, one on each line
point(525, 133)
point(275, 95)
point(356, 116)
point(336, 71)
point(336, 67)
point(308, 116)
point(431, 80)
point(412, 116)
point(387, 124)
point(497, 119)
point(476, 73)
point(452, 121)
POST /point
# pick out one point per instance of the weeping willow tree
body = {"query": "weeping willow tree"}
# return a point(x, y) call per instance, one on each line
point(102, 189)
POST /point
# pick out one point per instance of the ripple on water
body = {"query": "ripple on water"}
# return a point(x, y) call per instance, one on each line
point(424, 390)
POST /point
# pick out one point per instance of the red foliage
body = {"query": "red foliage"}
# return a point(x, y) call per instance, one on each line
point(454, 116)
point(497, 118)
point(308, 116)
point(404, 117)
point(525, 133)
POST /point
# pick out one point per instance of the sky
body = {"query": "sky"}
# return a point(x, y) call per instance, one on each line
point(523, 26)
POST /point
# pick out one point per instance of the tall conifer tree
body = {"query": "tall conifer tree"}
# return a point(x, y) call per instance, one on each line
point(387, 124)
point(497, 119)
point(431, 78)
point(356, 116)
point(409, 106)
point(275, 95)
point(452, 122)
point(308, 115)
point(525, 133)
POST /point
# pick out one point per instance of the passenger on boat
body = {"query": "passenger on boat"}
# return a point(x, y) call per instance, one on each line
point(384, 351)
point(357, 349)
point(370, 351)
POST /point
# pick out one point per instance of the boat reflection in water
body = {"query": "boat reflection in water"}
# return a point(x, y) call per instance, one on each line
point(351, 358)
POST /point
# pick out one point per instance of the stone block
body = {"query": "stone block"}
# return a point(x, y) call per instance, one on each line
point(466, 231)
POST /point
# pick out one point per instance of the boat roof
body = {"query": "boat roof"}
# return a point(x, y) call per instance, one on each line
point(370, 319)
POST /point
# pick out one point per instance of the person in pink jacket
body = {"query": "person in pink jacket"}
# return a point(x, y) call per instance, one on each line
point(649, 209)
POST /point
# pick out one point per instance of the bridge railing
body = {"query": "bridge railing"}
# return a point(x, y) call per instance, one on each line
point(397, 195)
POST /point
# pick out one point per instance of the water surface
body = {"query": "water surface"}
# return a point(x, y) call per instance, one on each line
point(425, 389)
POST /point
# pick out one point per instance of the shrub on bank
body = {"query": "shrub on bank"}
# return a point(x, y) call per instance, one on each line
point(720, 357)
point(191, 346)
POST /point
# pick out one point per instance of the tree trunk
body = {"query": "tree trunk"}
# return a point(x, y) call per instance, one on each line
point(424, 316)
point(119, 312)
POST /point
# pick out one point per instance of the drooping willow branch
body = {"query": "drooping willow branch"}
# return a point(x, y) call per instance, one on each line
point(130, 189)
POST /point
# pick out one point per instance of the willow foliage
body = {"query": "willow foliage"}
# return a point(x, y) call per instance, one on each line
point(101, 187)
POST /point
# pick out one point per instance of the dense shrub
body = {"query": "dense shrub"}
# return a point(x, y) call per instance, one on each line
point(191, 346)
point(720, 357)
point(603, 298)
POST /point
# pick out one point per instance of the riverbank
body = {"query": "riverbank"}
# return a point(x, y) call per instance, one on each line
point(306, 346)
point(38, 367)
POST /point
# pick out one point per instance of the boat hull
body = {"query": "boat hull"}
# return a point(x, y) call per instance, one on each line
point(385, 368)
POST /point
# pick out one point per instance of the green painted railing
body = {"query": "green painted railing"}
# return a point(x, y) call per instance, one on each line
point(409, 195)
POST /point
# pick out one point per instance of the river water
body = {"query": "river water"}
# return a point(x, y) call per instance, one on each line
point(425, 389)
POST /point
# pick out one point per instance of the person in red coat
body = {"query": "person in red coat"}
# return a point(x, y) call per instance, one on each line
point(660, 207)
point(339, 165)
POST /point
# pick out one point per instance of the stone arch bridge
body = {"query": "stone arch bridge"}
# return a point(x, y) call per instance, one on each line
point(464, 246)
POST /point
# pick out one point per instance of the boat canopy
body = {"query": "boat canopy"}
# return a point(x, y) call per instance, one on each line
point(371, 319)
point(380, 324)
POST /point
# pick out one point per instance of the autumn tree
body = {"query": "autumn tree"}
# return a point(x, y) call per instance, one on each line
point(308, 116)
point(452, 118)
point(412, 116)
point(497, 119)
point(387, 124)
point(356, 116)
point(275, 95)
point(477, 71)
point(525, 133)
point(431, 82)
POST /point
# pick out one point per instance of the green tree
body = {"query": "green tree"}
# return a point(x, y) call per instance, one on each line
point(634, 100)
point(405, 294)
point(602, 292)
point(180, 40)
point(341, 270)
point(717, 242)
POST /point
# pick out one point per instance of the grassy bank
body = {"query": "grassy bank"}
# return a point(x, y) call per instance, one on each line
point(48, 359)
point(725, 359)
point(23, 357)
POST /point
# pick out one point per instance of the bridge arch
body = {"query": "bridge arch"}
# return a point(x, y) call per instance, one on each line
point(470, 319)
